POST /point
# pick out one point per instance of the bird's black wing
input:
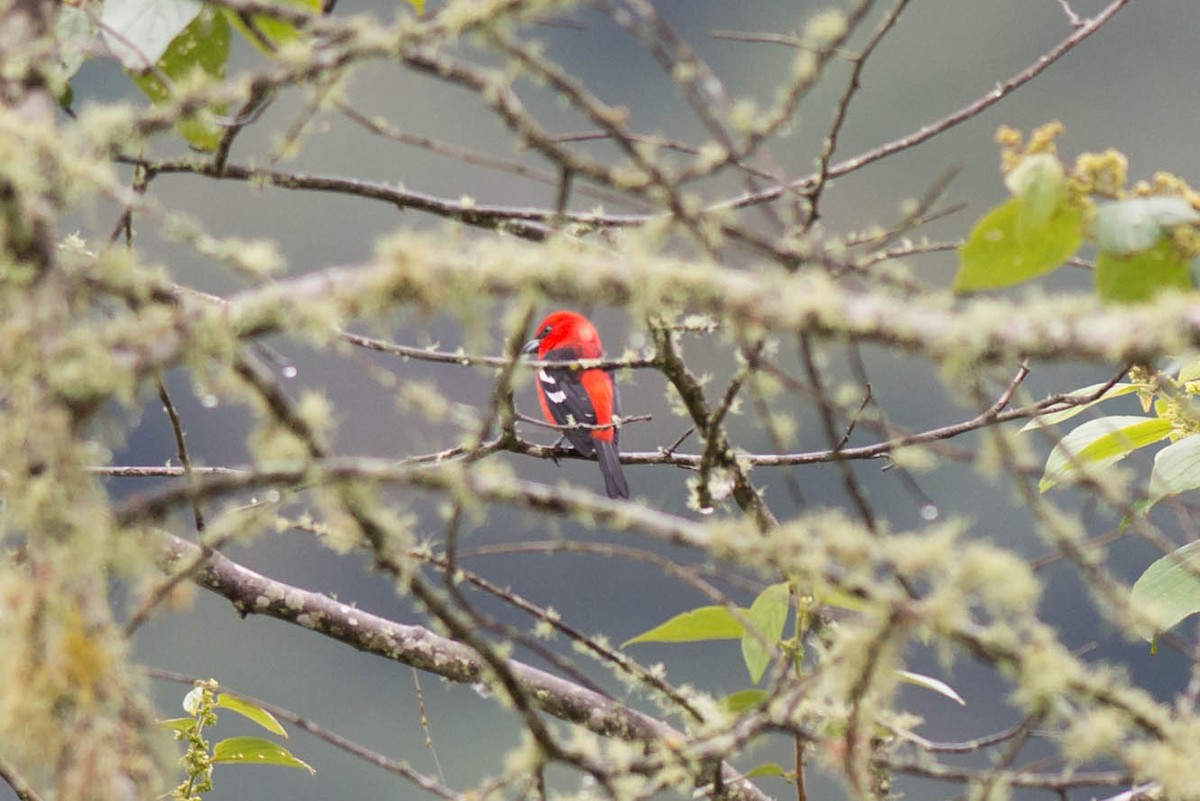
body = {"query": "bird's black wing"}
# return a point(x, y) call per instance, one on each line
point(568, 403)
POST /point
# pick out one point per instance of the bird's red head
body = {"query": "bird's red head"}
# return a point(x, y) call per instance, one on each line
point(568, 332)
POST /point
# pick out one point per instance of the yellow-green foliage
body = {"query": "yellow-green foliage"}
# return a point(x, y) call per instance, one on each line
point(80, 711)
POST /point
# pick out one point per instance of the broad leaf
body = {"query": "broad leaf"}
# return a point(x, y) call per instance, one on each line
point(1169, 590)
point(180, 725)
point(256, 751)
point(1099, 443)
point(767, 615)
point(1052, 418)
point(138, 32)
point(1128, 226)
point(251, 712)
point(1007, 246)
point(930, 683)
point(204, 46)
point(697, 625)
point(1176, 469)
point(1135, 277)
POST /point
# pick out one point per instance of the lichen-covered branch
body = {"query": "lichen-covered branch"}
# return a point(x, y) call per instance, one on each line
point(254, 594)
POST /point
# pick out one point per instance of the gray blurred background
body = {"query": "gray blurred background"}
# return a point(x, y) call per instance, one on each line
point(1131, 87)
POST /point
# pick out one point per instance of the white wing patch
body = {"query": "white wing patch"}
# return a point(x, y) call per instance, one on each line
point(556, 397)
point(545, 377)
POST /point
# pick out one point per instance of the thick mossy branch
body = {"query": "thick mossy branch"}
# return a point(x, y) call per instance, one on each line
point(425, 273)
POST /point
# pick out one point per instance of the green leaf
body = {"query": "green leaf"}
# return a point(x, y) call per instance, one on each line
point(138, 32)
point(1038, 183)
point(256, 751)
point(266, 32)
point(767, 616)
point(204, 46)
point(697, 625)
point(842, 599)
point(766, 769)
point(1099, 443)
point(930, 683)
point(74, 33)
point(1189, 369)
point(1176, 469)
point(251, 712)
point(1169, 590)
point(1053, 418)
point(1128, 226)
point(181, 725)
point(1135, 277)
point(1007, 246)
point(743, 700)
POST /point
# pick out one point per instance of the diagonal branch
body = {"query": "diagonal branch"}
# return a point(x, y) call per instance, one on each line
point(254, 593)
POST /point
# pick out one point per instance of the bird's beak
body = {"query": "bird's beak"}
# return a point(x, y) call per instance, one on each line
point(531, 346)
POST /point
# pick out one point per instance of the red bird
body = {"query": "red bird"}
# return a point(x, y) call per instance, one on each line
point(587, 397)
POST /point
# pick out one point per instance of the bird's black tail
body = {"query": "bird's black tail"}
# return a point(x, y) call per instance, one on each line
point(610, 466)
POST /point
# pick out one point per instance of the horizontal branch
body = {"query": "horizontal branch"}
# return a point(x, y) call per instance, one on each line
point(487, 486)
point(254, 593)
point(497, 362)
point(528, 223)
point(421, 270)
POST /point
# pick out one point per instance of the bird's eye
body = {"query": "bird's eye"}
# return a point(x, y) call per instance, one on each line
point(545, 330)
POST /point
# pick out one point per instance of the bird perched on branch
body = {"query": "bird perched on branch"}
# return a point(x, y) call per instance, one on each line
point(585, 401)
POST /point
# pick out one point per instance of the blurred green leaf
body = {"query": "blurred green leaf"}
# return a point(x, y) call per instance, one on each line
point(1098, 443)
point(1006, 247)
point(696, 625)
point(1053, 418)
point(266, 32)
point(766, 769)
point(767, 616)
point(930, 683)
point(743, 700)
point(1176, 469)
point(1128, 226)
point(1038, 183)
point(256, 751)
point(181, 725)
point(75, 31)
point(138, 32)
point(251, 712)
point(204, 46)
point(842, 599)
point(1135, 277)
point(1169, 590)
point(193, 699)
point(1189, 369)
